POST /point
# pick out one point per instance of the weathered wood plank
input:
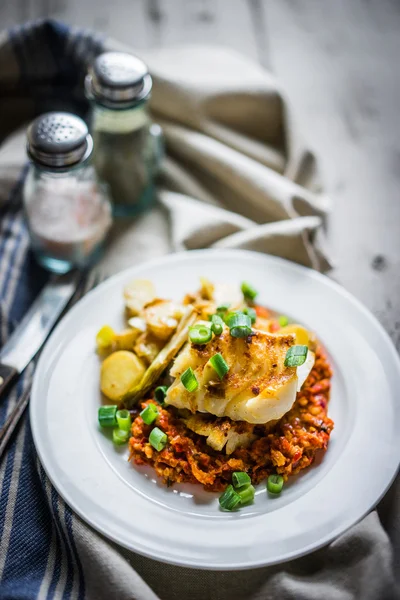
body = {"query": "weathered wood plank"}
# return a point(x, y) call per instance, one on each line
point(345, 86)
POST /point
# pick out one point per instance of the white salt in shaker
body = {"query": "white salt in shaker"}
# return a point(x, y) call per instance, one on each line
point(68, 210)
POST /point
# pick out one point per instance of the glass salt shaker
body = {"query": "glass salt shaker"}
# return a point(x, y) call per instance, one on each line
point(127, 145)
point(68, 211)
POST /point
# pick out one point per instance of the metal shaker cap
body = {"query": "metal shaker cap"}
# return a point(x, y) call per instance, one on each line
point(58, 140)
point(118, 79)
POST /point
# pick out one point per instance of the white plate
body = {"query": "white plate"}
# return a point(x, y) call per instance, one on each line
point(182, 525)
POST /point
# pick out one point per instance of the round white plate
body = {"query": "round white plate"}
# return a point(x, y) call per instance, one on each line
point(183, 524)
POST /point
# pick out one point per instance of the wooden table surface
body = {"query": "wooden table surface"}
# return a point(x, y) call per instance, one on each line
point(338, 61)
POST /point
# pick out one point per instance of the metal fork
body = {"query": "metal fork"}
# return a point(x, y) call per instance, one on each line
point(89, 281)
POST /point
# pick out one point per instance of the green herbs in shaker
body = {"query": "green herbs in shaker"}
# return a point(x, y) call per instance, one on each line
point(127, 145)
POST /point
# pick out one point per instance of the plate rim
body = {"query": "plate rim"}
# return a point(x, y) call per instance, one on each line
point(228, 254)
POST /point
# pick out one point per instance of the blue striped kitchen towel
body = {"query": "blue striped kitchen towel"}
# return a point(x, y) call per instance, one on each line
point(46, 551)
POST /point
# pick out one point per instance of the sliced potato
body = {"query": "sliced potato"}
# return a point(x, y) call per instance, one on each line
point(120, 371)
point(137, 294)
point(105, 338)
point(162, 317)
point(126, 339)
point(301, 333)
point(147, 347)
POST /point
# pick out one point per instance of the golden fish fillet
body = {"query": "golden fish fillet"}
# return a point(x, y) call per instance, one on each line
point(258, 387)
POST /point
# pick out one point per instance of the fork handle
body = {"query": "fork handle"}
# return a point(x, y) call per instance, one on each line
point(7, 376)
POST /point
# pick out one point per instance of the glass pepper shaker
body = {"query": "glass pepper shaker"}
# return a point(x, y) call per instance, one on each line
point(127, 145)
point(68, 211)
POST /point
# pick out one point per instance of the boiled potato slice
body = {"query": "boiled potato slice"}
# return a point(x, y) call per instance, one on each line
point(120, 372)
point(126, 339)
point(137, 294)
point(162, 317)
point(301, 333)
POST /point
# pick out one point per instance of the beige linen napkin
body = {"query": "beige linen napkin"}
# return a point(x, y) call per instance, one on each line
point(236, 174)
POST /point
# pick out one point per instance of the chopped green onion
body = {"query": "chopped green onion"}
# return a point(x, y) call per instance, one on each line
point(296, 356)
point(223, 308)
point(239, 478)
point(217, 324)
point(246, 493)
point(124, 420)
point(229, 499)
point(159, 393)
point(275, 484)
point(283, 321)
point(251, 313)
point(219, 365)
point(189, 380)
point(105, 337)
point(239, 325)
point(149, 414)
point(200, 333)
point(158, 439)
point(107, 415)
point(120, 436)
point(248, 290)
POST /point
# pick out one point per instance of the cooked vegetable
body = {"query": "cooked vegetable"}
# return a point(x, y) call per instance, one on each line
point(248, 291)
point(105, 337)
point(251, 313)
point(296, 356)
point(246, 493)
point(120, 372)
point(137, 294)
point(207, 288)
point(239, 478)
point(158, 439)
point(126, 339)
point(200, 333)
point(223, 308)
point(189, 381)
point(219, 365)
point(124, 420)
point(120, 436)
point(239, 325)
point(159, 393)
point(162, 360)
point(148, 347)
point(283, 321)
point(301, 333)
point(162, 317)
point(149, 414)
point(107, 416)
point(230, 499)
point(275, 484)
point(217, 324)
point(138, 324)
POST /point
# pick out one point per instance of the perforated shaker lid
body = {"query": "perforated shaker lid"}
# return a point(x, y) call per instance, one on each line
point(58, 140)
point(117, 79)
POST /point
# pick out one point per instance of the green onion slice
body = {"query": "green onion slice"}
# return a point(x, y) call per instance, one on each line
point(239, 325)
point(149, 414)
point(275, 484)
point(200, 333)
point(124, 420)
point(283, 321)
point(229, 499)
point(120, 436)
point(240, 478)
point(219, 365)
point(246, 493)
point(248, 291)
point(217, 324)
point(158, 439)
point(189, 380)
point(296, 356)
point(223, 308)
point(159, 393)
point(251, 313)
point(107, 415)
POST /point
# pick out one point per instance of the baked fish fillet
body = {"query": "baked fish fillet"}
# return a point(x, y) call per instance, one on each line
point(258, 387)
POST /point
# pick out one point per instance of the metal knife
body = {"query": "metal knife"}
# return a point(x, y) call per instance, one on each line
point(34, 328)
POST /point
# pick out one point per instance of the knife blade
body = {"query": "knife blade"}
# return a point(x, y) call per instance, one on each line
point(34, 328)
